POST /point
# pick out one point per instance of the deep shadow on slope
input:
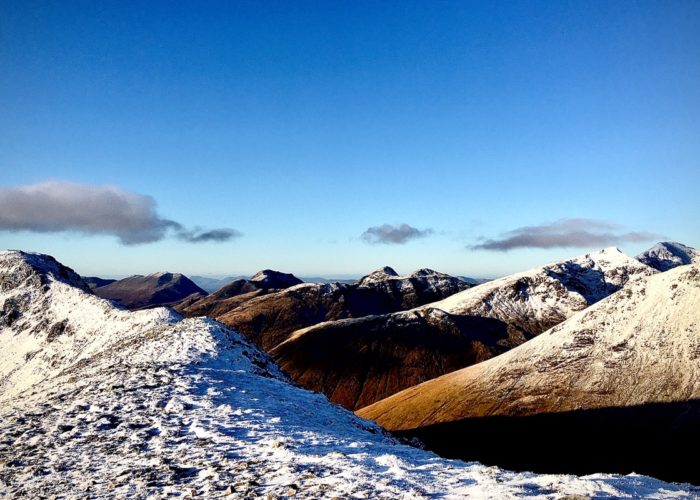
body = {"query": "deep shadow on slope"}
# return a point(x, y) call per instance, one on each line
point(356, 363)
point(659, 439)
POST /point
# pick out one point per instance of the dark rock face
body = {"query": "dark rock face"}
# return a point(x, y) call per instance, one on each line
point(159, 289)
point(270, 319)
point(236, 293)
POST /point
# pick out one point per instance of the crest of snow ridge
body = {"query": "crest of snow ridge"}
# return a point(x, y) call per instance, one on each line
point(50, 323)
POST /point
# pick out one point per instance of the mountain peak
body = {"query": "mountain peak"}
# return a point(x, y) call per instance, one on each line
point(378, 275)
point(424, 272)
point(269, 278)
point(666, 255)
point(17, 265)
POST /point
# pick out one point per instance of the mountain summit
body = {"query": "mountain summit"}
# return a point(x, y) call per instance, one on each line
point(669, 254)
point(236, 293)
point(157, 289)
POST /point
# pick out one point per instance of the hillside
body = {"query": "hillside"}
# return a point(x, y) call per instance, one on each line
point(268, 320)
point(236, 293)
point(94, 282)
point(153, 290)
point(144, 404)
point(625, 374)
point(356, 362)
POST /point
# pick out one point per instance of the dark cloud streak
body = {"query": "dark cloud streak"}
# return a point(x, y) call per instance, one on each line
point(214, 235)
point(565, 233)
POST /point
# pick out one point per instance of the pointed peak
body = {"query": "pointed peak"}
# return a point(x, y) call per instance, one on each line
point(378, 275)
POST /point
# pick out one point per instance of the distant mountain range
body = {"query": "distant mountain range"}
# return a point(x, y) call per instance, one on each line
point(97, 401)
point(268, 319)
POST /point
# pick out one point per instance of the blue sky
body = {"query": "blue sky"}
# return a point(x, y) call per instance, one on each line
point(303, 124)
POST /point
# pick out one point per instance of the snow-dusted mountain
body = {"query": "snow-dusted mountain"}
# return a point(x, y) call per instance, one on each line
point(141, 404)
point(268, 320)
point(669, 254)
point(618, 383)
point(356, 362)
point(538, 299)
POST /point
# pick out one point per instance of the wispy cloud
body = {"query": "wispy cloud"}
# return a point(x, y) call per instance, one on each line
point(63, 206)
point(215, 235)
point(394, 235)
point(564, 233)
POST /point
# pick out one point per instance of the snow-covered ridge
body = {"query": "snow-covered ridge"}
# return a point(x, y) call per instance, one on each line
point(50, 320)
point(388, 274)
point(669, 254)
point(549, 293)
point(144, 404)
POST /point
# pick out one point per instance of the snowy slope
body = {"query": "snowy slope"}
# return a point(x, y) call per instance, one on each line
point(669, 254)
point(545, 296)
point(122, 404)
point(641, 345)
point(624, 373)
